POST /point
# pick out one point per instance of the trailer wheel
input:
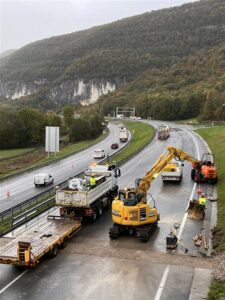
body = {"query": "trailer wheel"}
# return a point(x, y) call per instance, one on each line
point(94, 215)
point(100, 210)
point(53, 252)
point(63, 244)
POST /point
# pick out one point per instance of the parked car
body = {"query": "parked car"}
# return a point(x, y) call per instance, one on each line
point(115, 146)
point(43, 179)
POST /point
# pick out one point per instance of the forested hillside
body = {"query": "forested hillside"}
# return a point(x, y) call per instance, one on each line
point(122, 49)
point(170, 63)
point(185, 90)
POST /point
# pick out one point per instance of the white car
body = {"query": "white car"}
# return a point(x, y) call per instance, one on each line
point(99, 153)
point(43, 179)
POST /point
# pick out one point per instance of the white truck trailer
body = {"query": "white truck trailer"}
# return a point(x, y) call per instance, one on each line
point(79, 200)
point(123, 135)
point(173, 171)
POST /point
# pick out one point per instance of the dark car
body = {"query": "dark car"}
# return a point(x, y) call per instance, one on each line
point(115, 146)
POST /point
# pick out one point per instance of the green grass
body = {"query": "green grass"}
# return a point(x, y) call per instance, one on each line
point(193, 121)
point(12, 153)
point(217, 291)
point(64, 152)
point(215, 137)
point(142, 134)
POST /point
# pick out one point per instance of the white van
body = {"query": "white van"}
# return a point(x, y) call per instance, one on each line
point(43, 179)
point(99, 153)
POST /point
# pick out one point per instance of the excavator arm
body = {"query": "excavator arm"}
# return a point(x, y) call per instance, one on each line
point(144, 183)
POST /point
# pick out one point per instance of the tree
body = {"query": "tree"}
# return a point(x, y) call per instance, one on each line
point(79, 130)
point(31, 127)
point(8, 125)
point(68, 115)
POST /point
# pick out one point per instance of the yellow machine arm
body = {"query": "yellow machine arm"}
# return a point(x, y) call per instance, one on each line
point(178, 154)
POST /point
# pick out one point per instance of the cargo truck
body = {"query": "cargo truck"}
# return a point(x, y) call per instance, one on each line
point(163, 133)
point(123, 135)
point(44, 237)
point(173, 171)
point(79, 200)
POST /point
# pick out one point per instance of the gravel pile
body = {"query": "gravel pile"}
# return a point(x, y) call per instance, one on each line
point(219, 267)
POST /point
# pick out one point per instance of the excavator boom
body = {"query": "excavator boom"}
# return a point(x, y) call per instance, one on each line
point(176, 153)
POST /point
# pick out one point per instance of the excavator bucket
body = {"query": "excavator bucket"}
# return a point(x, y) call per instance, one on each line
point(194, 211)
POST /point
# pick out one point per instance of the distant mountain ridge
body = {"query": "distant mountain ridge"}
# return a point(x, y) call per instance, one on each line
point(7, 53)
point(81, 66)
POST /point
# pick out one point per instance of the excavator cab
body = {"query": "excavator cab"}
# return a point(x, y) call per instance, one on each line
point(128, 197)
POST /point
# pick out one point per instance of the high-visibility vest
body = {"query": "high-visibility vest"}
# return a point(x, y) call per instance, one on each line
point(92, 181)
point(202, 201)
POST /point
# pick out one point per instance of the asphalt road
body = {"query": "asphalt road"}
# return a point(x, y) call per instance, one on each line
point(22, 187)
point(94, 267)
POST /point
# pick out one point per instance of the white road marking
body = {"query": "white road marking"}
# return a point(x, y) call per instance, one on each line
point(192, 192)
point(13, 281)
point(162, 283)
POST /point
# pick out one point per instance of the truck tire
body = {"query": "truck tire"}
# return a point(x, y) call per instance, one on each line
point(63, 244)
point(100, 210)
point(54, 251)
point(193, 174)
point(94, 215)
point(214, 181)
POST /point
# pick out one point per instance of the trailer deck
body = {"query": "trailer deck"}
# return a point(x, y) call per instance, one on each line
point(29, 246)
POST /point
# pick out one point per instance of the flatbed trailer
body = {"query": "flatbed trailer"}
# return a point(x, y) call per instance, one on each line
point(43, 237)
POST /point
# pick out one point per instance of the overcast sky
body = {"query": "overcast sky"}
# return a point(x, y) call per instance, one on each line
point(25, 21)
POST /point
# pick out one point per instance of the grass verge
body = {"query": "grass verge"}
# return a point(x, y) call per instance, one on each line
point(215, 137)
point(12, 153)
point(42, 161)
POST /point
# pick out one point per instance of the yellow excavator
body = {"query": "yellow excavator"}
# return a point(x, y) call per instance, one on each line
point(132, 211)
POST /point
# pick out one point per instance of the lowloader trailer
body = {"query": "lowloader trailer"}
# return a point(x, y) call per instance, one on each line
point(42, 238)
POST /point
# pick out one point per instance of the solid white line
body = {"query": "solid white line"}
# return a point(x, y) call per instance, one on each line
point(162, 283)
point(14, 280)
point(192, 192)
point(181, 228)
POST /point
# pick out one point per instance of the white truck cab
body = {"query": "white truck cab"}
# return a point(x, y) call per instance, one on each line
point(43, 179)
point(99, 153)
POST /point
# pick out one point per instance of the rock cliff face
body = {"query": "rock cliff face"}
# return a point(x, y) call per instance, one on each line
point(77, 91)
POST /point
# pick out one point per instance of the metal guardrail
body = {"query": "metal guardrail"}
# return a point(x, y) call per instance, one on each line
point(23, 217)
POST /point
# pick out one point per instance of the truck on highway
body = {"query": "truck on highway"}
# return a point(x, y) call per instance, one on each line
point(123, 135)
point(44, 237)
point(173, 171)
point(163, 133)
point(79, 200)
